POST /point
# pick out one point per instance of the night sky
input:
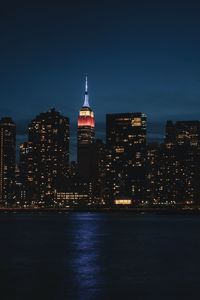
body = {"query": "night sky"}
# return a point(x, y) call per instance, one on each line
point(138, 55)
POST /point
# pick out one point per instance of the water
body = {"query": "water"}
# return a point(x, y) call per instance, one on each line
point(99, 256)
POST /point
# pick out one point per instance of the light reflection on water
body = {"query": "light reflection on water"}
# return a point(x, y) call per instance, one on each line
point(87, 245)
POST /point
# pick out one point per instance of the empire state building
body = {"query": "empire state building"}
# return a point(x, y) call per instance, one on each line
point(85, 138)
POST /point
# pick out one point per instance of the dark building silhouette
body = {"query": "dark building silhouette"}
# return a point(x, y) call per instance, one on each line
point(75, 191)
point(85, 139)
point(99, 173)
point(182, 133)
point(7, 160)
point(45, 157)
point(126, 155)
point(174, 167)
point(72, 192)
point(30, 190)
point(154, 173)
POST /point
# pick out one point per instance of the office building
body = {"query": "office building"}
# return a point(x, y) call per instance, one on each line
point(45, 157)
point(7, 160)
point(126, 156)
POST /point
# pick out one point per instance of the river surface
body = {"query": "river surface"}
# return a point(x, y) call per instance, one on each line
point(99, 256)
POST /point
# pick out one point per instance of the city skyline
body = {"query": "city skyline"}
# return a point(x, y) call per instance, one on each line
point(136, 70)
point(125, 170)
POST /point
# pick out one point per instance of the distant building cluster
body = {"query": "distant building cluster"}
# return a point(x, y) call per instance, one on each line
point(124, 171)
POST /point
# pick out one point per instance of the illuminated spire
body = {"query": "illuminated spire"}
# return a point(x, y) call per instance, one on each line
point(86, 100)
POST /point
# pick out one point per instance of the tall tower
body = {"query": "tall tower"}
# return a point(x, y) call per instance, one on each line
point(85, 138)
point(7, 159)
point(126, 162)
point(45, 158)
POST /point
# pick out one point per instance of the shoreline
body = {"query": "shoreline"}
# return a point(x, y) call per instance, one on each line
point(135, 210)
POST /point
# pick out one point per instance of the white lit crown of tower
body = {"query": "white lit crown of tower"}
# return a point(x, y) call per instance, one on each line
point(86, 99)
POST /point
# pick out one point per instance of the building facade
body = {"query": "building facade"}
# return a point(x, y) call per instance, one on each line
point(174, 166)
point(126, 155)
point(45, 157)
point(7, 160)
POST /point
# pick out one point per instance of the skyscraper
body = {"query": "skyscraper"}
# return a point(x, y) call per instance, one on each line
point(45, 157)
point(7, 160)
point(29, 185)
point(174, 167)
point(85, 138)
point(126, 156)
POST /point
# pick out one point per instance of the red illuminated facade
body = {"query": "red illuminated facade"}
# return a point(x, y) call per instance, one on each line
point(86, 118)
